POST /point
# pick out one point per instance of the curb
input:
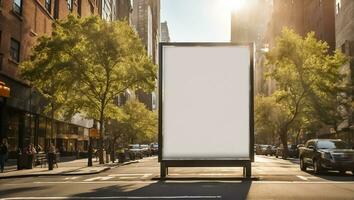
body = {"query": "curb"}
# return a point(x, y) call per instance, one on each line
point(69, 173)
point(58, 174)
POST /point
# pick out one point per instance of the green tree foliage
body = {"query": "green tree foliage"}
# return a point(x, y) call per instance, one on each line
point(269, 117)
point(139, 123)
point(308, 80)
point(99, 60)
point(44, 73)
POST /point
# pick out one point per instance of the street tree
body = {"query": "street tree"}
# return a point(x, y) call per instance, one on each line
point(100, 60)
point(307, 76)
point(138, 124)
point(43, 72)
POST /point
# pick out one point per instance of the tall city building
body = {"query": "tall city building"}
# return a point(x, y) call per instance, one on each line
point(21, 115)
point(146, 20)
point(344, 29)
point(249, 25)
point(165, 35)
point(302, 16)
point(124, 10)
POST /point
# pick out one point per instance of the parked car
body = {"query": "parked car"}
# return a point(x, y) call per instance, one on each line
point(273, 150)
point(154, 148)
point(263, 149)
point(135, 152)
point(327, 154)
point(292, 151)
point(123, 155)
point(145, 150)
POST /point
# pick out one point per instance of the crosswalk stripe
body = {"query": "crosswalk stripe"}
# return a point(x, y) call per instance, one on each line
point(71, 178)
point(101, 178)
point(114, 175)
point(302, 177)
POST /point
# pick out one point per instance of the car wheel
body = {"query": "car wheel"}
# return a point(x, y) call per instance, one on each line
point(276, 156)
point(353, 172)
point(302, 165)
point(317, 167)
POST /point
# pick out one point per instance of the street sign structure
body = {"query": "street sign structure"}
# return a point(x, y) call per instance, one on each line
point(206, 105)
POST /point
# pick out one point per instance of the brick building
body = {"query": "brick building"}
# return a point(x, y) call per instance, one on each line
point(21, 23)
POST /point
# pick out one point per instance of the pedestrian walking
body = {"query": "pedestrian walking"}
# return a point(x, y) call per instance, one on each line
point(3, 154)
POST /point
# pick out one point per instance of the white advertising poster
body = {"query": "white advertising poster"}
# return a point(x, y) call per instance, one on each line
point(205, 102)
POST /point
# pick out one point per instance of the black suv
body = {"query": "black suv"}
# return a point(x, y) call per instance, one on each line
point(327, 154)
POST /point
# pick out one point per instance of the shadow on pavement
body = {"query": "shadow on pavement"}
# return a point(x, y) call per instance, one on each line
point(332, 175)
point(195, 190)
point(17, 191)
point(205, 179)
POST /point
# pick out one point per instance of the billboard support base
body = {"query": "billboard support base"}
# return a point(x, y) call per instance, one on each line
point(163, 170)
point(245, 164)
point(247, 170)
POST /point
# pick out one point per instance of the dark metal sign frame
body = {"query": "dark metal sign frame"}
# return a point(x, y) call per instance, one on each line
point(245, 163)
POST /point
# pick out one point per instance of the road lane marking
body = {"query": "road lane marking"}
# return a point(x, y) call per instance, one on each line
point(119, 197)
point(143, 175)
point(71, 178)
point(306, 178)
point(101, 178)
point(302, 177)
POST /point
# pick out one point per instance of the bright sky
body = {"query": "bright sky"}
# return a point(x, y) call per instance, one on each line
point(199, 20)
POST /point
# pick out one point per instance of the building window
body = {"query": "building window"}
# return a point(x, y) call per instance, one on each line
point(338, 6)
point(17, 6)
point(56, 9)
point(15, 50)
point(70, 5)
point(48, 5)
point(79, 7)
point(92, 9)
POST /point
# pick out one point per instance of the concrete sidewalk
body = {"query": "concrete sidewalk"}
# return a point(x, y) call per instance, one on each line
point(75, 167)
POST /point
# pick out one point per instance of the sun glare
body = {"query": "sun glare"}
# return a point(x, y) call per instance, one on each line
point(233, 5)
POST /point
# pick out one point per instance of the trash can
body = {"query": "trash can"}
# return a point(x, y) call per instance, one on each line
point(104, 155)
point(29, 161)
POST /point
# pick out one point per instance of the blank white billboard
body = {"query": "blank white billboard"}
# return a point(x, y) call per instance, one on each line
point(205, 102)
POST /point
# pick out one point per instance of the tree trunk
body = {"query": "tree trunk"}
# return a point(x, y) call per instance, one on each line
point(284, 141)
point(297, 136)
point(52, 124)
point(100, 156)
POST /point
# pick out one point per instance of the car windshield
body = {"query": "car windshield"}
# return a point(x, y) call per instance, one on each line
point(331, 144)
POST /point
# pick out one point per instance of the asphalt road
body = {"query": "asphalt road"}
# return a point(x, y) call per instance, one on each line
point(272, 179)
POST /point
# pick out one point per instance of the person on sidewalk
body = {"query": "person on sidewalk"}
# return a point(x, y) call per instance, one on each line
point(30, 152)
point(51, 156)
point(3, 154)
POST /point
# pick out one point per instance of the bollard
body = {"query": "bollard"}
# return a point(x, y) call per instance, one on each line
point(89, 162)
point(19, 160)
